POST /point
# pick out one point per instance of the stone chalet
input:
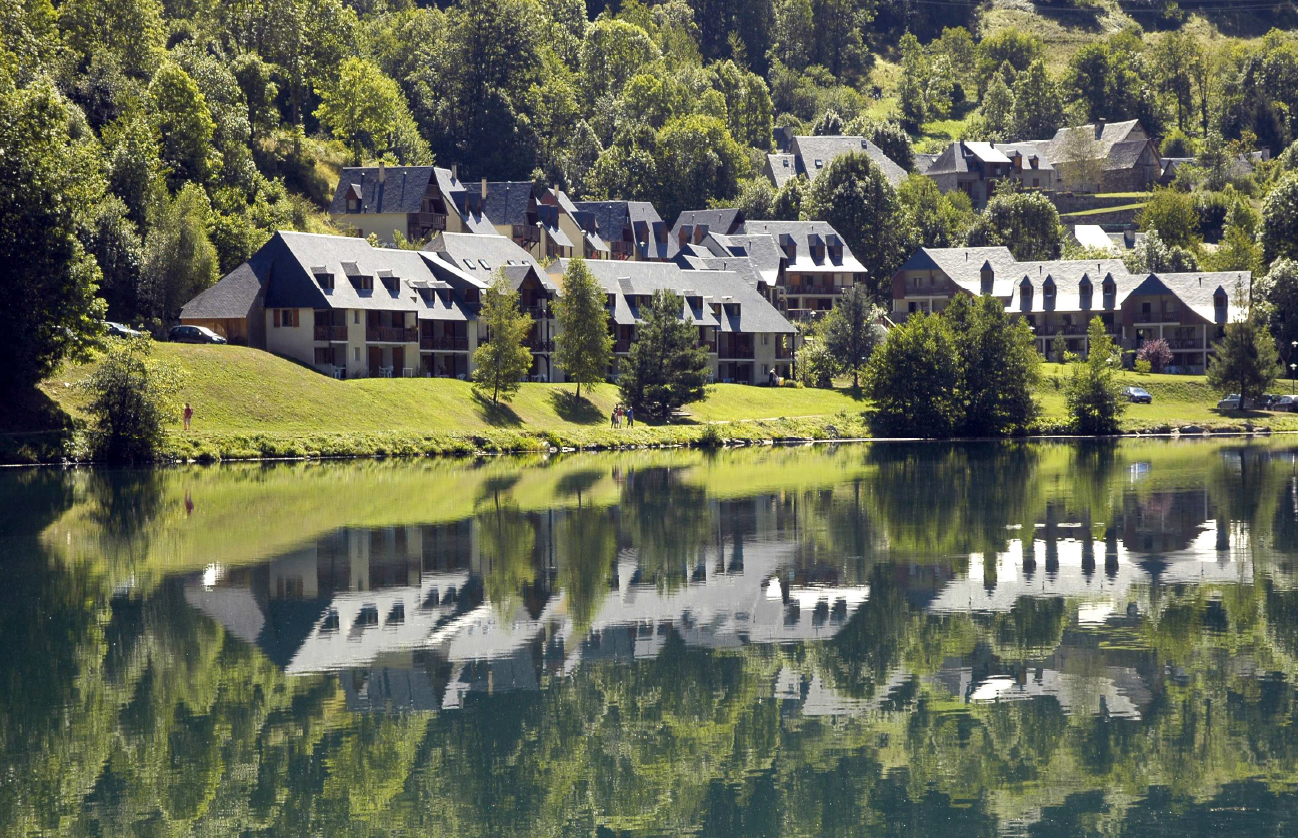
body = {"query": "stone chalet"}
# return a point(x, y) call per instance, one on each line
point(1188, 310)
point(808, 156)
point(977, 169)
point(1130, 158)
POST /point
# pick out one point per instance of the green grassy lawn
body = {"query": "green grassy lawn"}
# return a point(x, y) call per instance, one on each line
point(251, 403)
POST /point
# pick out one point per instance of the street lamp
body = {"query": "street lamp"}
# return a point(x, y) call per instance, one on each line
point(1293, 374)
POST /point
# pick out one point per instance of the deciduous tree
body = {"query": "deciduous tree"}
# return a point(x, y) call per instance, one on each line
point(501, 362)
point(585, 345)
point(851, 331)
point(1093, 392)
point(1025, 222)
point(913, 379)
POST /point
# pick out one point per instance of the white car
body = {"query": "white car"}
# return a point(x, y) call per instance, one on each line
point(1231, 402)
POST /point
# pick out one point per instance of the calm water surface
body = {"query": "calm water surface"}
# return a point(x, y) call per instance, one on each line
point(964, 640)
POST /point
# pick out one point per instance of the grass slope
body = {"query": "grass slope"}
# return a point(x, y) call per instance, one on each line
point(249, 403)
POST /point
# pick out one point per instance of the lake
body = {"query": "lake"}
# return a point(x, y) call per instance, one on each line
point(1044, 639)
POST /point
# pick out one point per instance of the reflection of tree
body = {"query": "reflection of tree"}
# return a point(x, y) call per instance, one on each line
point(1033, 626)
point(506, 542)
point(942, 500)
point(669, 522)
point(587, 544)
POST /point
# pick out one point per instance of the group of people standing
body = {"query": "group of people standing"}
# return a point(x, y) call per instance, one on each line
point(623, 415)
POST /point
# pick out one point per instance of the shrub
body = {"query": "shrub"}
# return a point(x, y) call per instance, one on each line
point(711, 438)
point(130, 397)
point(1142, 367)
point(1155, 354)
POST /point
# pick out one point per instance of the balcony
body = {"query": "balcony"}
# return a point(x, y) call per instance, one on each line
point(736, 353)
point(538, 345)
point(432, 221)
point(333, 334)
point(1185, 343)
point(621, 249)
point(444, 344)
point(391, 334)
point(622, 346)
point(535, 312)
point(526, 233)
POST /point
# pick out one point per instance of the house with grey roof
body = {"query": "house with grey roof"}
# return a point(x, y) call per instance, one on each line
point(977, 169)
point(417, 201)
point(580, 226)
point(1188, 310)
point(1129, 158)
point(746, 337)
point(633, 229)
point(808, 156)
point(693, 226)
point(817, 264)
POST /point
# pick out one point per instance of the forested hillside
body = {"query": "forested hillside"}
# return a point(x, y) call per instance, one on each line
point(147, 146)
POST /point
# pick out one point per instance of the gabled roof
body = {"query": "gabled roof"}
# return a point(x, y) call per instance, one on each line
point(1198, 291)
point(1108, 137)
point(613, 217)
point(722, 221)
point(634, 279)
point(963, 265)
point(469, 251)
point(802, 232)
point(923, 162)
point(301, 255)
point(1028, 150)
point(760, 248)
point(402, 189)
point(508, 201)
point(826, 148)
point(986, 152)
point(784, 168)
point(233, 297)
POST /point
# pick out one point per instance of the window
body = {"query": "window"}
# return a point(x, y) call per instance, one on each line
point(468, 263)
point(392, 284)
point(324, 355)
point(326, 281)
point(483, 263)
point(820, 164)
point(356, 353)
point(1036, 181)
point(766, 340)
point(356, 317)
point(362, 283)
point(286, 317)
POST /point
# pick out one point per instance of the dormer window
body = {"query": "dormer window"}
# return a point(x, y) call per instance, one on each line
point(987, 278)
point(354, 198)
point(1048, 292)
point(1084, 291)
point(1025, 294)
point(1219, 304)
point(325, 280)
point(362, 283)
point(1110, 290)
point(392, 284)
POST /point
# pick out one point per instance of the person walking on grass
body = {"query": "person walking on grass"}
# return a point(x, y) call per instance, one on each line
point(612, 419)
point(188, 415)
point(630, 417)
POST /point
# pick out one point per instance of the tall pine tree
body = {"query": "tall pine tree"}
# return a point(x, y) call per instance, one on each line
point(664, 369)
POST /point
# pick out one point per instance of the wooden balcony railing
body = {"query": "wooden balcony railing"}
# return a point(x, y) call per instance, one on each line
point(432, 221)
point(391, 334)
point(444, 344)
point(621, 249)
point(526, 233)
point(538, 345)
point(621, 346)
point(737, 353)
point(331, 333)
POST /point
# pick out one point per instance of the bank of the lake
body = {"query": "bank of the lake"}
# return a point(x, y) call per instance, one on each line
point(251, 404)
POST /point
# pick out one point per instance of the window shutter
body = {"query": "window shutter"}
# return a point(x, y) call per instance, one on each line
point(276, 318)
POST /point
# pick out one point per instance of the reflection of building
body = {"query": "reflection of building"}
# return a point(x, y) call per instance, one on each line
point(400, 610)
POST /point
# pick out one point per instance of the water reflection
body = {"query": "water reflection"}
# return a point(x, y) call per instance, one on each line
point(1000, 639)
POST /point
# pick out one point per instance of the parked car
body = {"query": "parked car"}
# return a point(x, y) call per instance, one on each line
point(121, 330)
point(194, 334)
point(1137, 395)
point(1285, 404)
point(1231, 402)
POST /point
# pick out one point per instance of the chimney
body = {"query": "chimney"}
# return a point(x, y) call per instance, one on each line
point(1099, 128)
point(1129, 238)
point(484, 191)
point(382, 172)
point(455, 172)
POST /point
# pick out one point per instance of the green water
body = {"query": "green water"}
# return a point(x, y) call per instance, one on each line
point(962, 640)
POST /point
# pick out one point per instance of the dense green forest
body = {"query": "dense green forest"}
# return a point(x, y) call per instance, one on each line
point(150, 145)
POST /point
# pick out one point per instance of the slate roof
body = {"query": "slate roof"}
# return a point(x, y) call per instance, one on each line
point(1067, 277)
point(1198, 290)
point(1093, 235)
point(802, 231)
point(761, 249)
point(508, 201)
point(628, 280)
point(923, 162)
point(825, 149)
point(402, 189)
point(1115, 143)
point(233, 297)
point(1028, 150)
point(468, 252)
point(721, 221)
point(784, 168)
point(612, 218)
point(964, 265)
point(298, 256)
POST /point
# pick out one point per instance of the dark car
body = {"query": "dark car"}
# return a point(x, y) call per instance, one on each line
point(194, 334)
point(1285, 404)
point(121, 330)
point(1137, 395)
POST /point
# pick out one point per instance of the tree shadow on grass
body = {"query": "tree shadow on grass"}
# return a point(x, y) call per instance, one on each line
point(577, 411)
point(497, 415)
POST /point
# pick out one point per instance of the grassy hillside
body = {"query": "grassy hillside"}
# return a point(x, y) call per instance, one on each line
point(252, 403)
